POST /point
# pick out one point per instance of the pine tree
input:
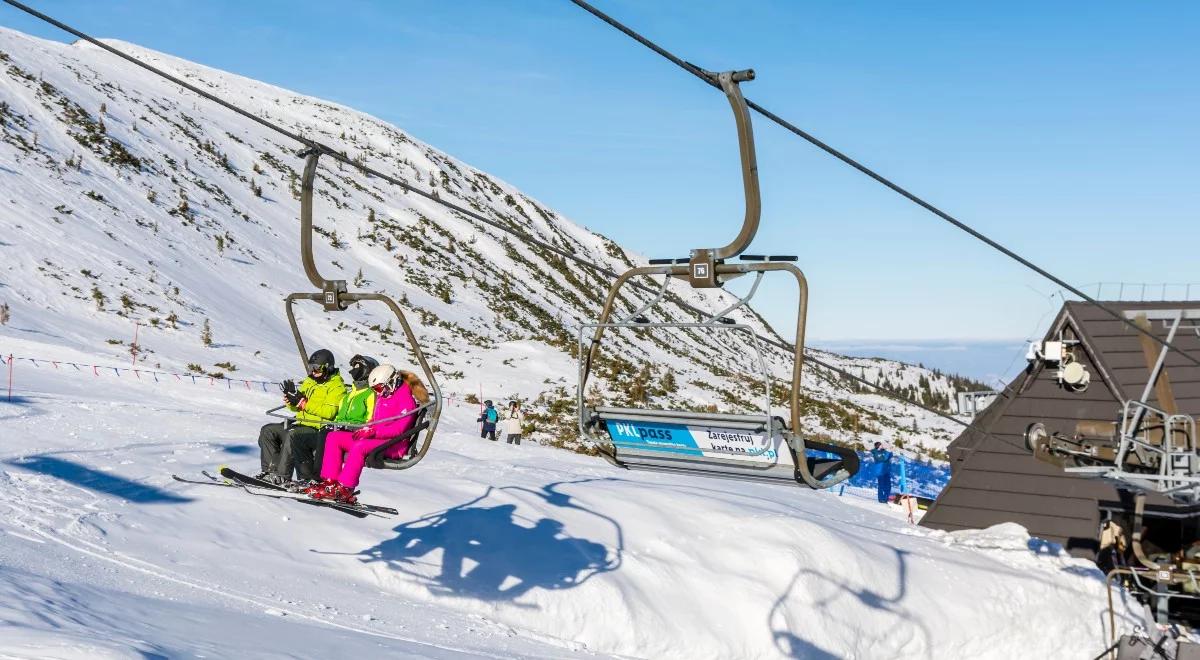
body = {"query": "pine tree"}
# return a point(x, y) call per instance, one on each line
point(220, 244)
point(668, 382)
point(637, 391)
point(173, 319)
point(5, 314)
point(371, 216)
point(206, 334)
point(126, 302)
point(98, 296)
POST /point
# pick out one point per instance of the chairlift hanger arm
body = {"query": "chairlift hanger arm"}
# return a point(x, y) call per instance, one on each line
point(729, 84)
point(707, 77)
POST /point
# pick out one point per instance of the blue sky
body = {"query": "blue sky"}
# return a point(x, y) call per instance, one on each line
point(1065, 130)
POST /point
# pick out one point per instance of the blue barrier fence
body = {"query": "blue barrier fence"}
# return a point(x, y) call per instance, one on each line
point(908, 476)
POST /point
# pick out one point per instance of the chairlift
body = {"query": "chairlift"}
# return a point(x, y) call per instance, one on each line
point(756, 447)
point(334, 297)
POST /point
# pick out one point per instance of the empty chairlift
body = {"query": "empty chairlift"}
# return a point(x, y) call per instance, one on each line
point(760, 446)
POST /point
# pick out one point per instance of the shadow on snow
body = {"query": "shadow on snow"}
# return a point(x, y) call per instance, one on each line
point(95, 480)
point(487, 555)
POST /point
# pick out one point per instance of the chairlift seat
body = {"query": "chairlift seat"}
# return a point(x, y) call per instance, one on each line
point(379, 460)
point(751, 447)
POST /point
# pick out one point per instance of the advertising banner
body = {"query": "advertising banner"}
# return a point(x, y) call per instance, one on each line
point(707, 441)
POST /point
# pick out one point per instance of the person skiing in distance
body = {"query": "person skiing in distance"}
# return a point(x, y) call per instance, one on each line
point(489, 416)
point(315, 402)
point(512, 423)
point(397, 394)
point(883, 458)
point(356, 409)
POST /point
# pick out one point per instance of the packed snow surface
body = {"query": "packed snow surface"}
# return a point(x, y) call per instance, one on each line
point(499, 551)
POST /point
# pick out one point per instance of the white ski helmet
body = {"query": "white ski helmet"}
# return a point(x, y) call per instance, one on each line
point(384, 375)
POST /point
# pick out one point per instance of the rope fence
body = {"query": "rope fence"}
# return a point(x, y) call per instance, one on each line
point(189, 378)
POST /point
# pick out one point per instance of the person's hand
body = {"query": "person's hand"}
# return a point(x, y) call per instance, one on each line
point(288, 386)
point(293, 399)
point(303, 402)
point(364, 433)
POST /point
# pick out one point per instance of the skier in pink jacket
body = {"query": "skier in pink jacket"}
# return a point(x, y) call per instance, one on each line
point(396, 393)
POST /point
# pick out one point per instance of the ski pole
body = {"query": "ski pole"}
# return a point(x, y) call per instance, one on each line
point(10, 370)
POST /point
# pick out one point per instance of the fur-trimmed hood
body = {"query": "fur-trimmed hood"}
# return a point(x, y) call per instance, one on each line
point(419, 392)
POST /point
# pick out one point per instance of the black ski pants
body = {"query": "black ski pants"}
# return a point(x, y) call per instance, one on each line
point(278, 447)
point(308, 450)
point(488, 430)
point(513, 438)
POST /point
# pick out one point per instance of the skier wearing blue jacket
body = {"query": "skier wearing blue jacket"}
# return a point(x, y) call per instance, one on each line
point(489, 417)
point(883, 458)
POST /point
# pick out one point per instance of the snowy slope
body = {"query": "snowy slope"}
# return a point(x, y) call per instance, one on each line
point(177, 213)
point(499, 551)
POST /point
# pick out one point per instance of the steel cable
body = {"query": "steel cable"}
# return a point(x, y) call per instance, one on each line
point(812, 139)
point(528, 238)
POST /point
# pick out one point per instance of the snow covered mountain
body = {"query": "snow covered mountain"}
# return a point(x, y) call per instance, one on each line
point(127, 207)
point(128, 201)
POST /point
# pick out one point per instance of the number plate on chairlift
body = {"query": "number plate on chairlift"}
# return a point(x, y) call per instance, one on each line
point(699, 441)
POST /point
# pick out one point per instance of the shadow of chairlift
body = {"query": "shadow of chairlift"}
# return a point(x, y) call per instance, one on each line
point(737, 446)
point(334, 297)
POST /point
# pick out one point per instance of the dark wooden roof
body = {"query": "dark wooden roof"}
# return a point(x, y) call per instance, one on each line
point(996, 479)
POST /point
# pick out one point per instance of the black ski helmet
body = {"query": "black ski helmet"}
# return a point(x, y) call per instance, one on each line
point(321, 360)
point(488, 403)
point(361, 366)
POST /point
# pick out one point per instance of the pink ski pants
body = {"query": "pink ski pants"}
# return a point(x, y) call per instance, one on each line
point(344, 456)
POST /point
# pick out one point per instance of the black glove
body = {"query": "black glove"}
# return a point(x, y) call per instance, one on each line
point(293, 398)
point(288, 386)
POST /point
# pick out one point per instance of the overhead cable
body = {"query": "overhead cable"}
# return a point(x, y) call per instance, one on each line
point(528, 238)
point(709, 78)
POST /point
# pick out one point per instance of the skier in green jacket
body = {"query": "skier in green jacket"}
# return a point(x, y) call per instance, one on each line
point(356, 409)
point(315, 402)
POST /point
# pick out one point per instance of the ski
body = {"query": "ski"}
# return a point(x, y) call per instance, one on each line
point(277, 493)
point(303, 499)
point(209, 481)
point(373, 508)
point(265, 488)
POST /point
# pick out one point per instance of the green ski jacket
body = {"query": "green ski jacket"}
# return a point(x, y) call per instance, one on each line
point(323, 400)
point(357, 406)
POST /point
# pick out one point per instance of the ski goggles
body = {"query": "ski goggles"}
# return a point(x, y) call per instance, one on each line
point(316, 369)
point(379, 388)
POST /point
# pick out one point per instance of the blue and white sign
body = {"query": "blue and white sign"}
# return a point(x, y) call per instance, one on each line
point(707, 441)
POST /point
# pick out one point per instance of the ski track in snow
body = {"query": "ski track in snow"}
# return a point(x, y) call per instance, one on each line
point(76, 543)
